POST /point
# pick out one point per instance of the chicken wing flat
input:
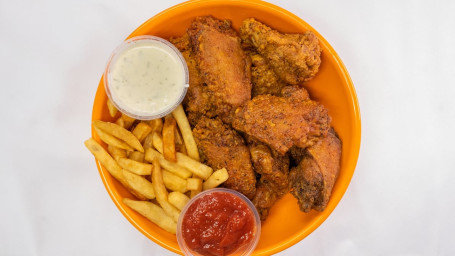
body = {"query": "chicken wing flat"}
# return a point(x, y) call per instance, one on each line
point(198, 100)
point(223, 66)
point(311, 182)
point(295, 58)
point(273, 169)
point(282, 122)
point(222, 147)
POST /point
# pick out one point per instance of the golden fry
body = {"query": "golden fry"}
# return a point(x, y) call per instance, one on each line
point(116, 152)
point(161, 192)
point(174, 182)
point(194, 184)
point(136, 156)
point(139, 184)
point(178, 199)
point(111, 140)
point(156, 124)
point(106, 160)
point(120, 122)
point(120, 133)
point(112, 109)
point(157, 142)
point(148, 141)
point(178, 137)
point(176, 169)
point(217, 177)
point(169, 138)
point(141, 131)
point(127, 121)
point(201, 170)
point(187, 134)
point(154, 213)
point(135, 166)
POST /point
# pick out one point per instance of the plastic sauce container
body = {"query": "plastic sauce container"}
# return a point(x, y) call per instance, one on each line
point(218, 222)
point(146, 77)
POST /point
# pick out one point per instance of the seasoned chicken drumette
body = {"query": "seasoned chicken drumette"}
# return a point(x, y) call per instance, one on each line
point(311, 182)
point(283, 122)
point(295, 58)
point(222, 147)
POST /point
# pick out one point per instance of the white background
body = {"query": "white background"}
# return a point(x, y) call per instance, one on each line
point(400, 55)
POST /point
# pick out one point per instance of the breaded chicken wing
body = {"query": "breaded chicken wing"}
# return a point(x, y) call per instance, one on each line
point(223, 66)
point(295, 58)
point(198, 100)
point(311, 182)
point(282, 122)
point(273, 169)
point(222, 147)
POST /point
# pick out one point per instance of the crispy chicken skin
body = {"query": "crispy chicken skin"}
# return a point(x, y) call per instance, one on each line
point(273, 169)
point(222, 147)
point(282, 122)
point(224, 68)
point(263, 78)
point(311, 182)
point(295, 58)
point(198, 100)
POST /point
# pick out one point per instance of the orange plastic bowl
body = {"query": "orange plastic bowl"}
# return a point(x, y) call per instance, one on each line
point(286, 224)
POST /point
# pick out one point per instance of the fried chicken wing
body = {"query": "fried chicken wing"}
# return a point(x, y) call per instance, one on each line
point(282, 122)
point(224, 68)
point(295, 58)
point(198, 100)
point(311, 182)
point(263, 78)
point(273, 169)
point(222, 147)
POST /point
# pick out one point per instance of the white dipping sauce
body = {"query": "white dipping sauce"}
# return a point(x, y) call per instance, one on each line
point(147, 79)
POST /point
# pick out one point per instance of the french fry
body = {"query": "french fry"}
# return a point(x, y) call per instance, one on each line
point(127, 121)
point(108, 162)
point(178, 199)
point(116, 152)
point(156, 124)
point(141, 131)
point(178, 137)
point(111, 140)
point(120, 122)
point(120, 133)
point(139, 184)
point(157, 142)
point(161, 192)
point(201, 170)
point(112, 109)
point(187, 134)
point(174, 182)
point(136, 156)
point(148, 141)
point(176, 169)
point(217, 177)
point(135, 166)
point(169, 139)
point(154, 213)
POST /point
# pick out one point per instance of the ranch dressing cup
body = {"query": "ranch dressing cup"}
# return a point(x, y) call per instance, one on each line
point(146, 77)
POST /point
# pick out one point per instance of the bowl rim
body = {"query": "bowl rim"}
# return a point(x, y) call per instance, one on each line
point(356, 124)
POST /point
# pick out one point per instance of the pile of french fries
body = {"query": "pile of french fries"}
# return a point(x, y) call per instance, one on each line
point(157, 161)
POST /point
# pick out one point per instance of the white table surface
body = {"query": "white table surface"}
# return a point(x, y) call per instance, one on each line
point(400, 55)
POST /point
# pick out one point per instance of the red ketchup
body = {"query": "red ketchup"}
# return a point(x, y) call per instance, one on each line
point(218, 223)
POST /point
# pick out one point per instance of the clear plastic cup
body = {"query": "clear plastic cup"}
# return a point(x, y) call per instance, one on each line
point(146, 77)
point(245, 249)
